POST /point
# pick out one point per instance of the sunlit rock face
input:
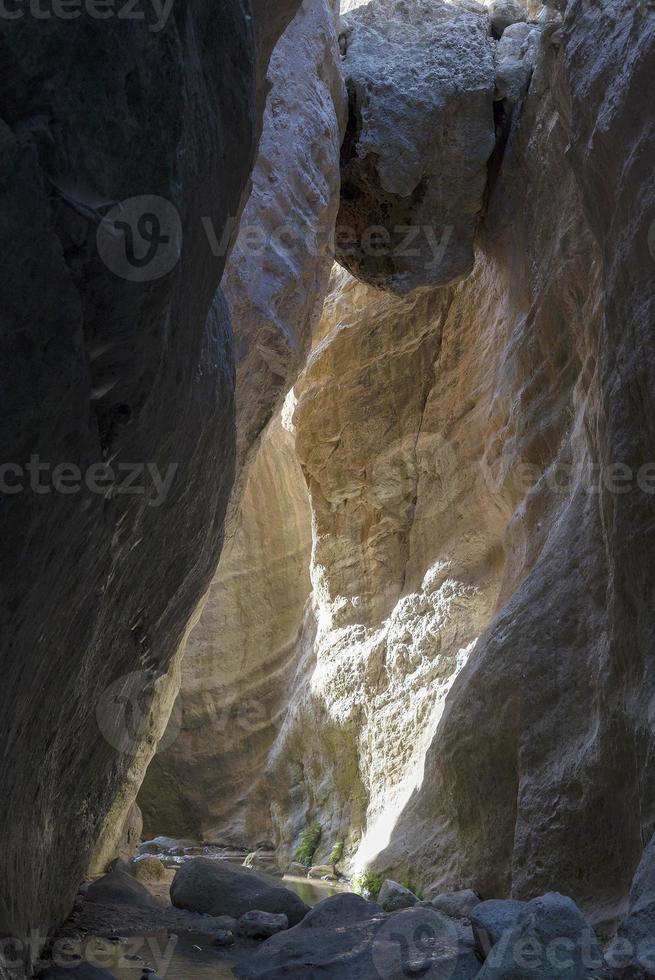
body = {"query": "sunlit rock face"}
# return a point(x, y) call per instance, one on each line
point(469, 700)
point(239, 662)
point(540, 771)
point(240, 656)
point(98, 369)
point(420, 80)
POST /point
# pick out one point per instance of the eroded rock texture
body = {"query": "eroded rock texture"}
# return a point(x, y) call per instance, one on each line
point(420, 80)
point(240, 657)
point(99, 586)
point(471, 705)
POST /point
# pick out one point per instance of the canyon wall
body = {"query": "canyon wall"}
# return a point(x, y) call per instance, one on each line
point(235, 668)
point(111, 361)
point(468, 702)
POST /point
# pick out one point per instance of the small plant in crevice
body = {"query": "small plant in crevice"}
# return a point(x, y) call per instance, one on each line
point(309, 841)
point(336, 853)
point(368, 884)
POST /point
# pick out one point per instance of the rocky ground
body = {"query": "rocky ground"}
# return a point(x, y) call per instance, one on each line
point(124, 926)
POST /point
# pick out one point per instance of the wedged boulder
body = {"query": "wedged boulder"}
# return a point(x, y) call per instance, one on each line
point(413, 942)
point(492, 919)
point(262, 925)
point(632, 952)
point(220, 888)
point(503, 13)
point(394, 897)
point(118, 887)
point(457, 905)
point(420, 80)
point(552, 940)
point(515, 59)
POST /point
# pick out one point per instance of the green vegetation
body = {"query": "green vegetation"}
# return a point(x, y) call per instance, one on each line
point(368, 884)
point(417, 890)
point(309, 841)
point(336, 854)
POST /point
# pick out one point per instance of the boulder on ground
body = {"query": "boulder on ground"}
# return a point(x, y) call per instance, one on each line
point(298, 869)
point(457, 905)
point(147, 867)
point(330, 945)
point(262, 861)
point(394, 897)
point(118, 887)
point(221, 888)
point(340, 910)
point(552, 941)
point(262, 925)
point(323, 871)
point(492, 920)
point(224, 938)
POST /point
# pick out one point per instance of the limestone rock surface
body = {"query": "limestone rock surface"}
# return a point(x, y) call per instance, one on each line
point(420, 79)
point(242, 653)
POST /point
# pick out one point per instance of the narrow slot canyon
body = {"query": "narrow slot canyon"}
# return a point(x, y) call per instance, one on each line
point(328, 484)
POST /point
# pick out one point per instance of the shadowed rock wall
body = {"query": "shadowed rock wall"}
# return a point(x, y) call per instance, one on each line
point(105, 370)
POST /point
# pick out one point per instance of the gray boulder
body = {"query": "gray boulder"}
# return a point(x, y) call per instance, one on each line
point(503, 13)
point(515, 57)
point(413, 942)
point(420, 80)
point(457, 905)
point(147, 867)
point(552, 940)
point(491, 920)
point(120, 888)
point(221, 888)
point(394, 897)
point(632, 953)
point(340, 910)
point(262, 925)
